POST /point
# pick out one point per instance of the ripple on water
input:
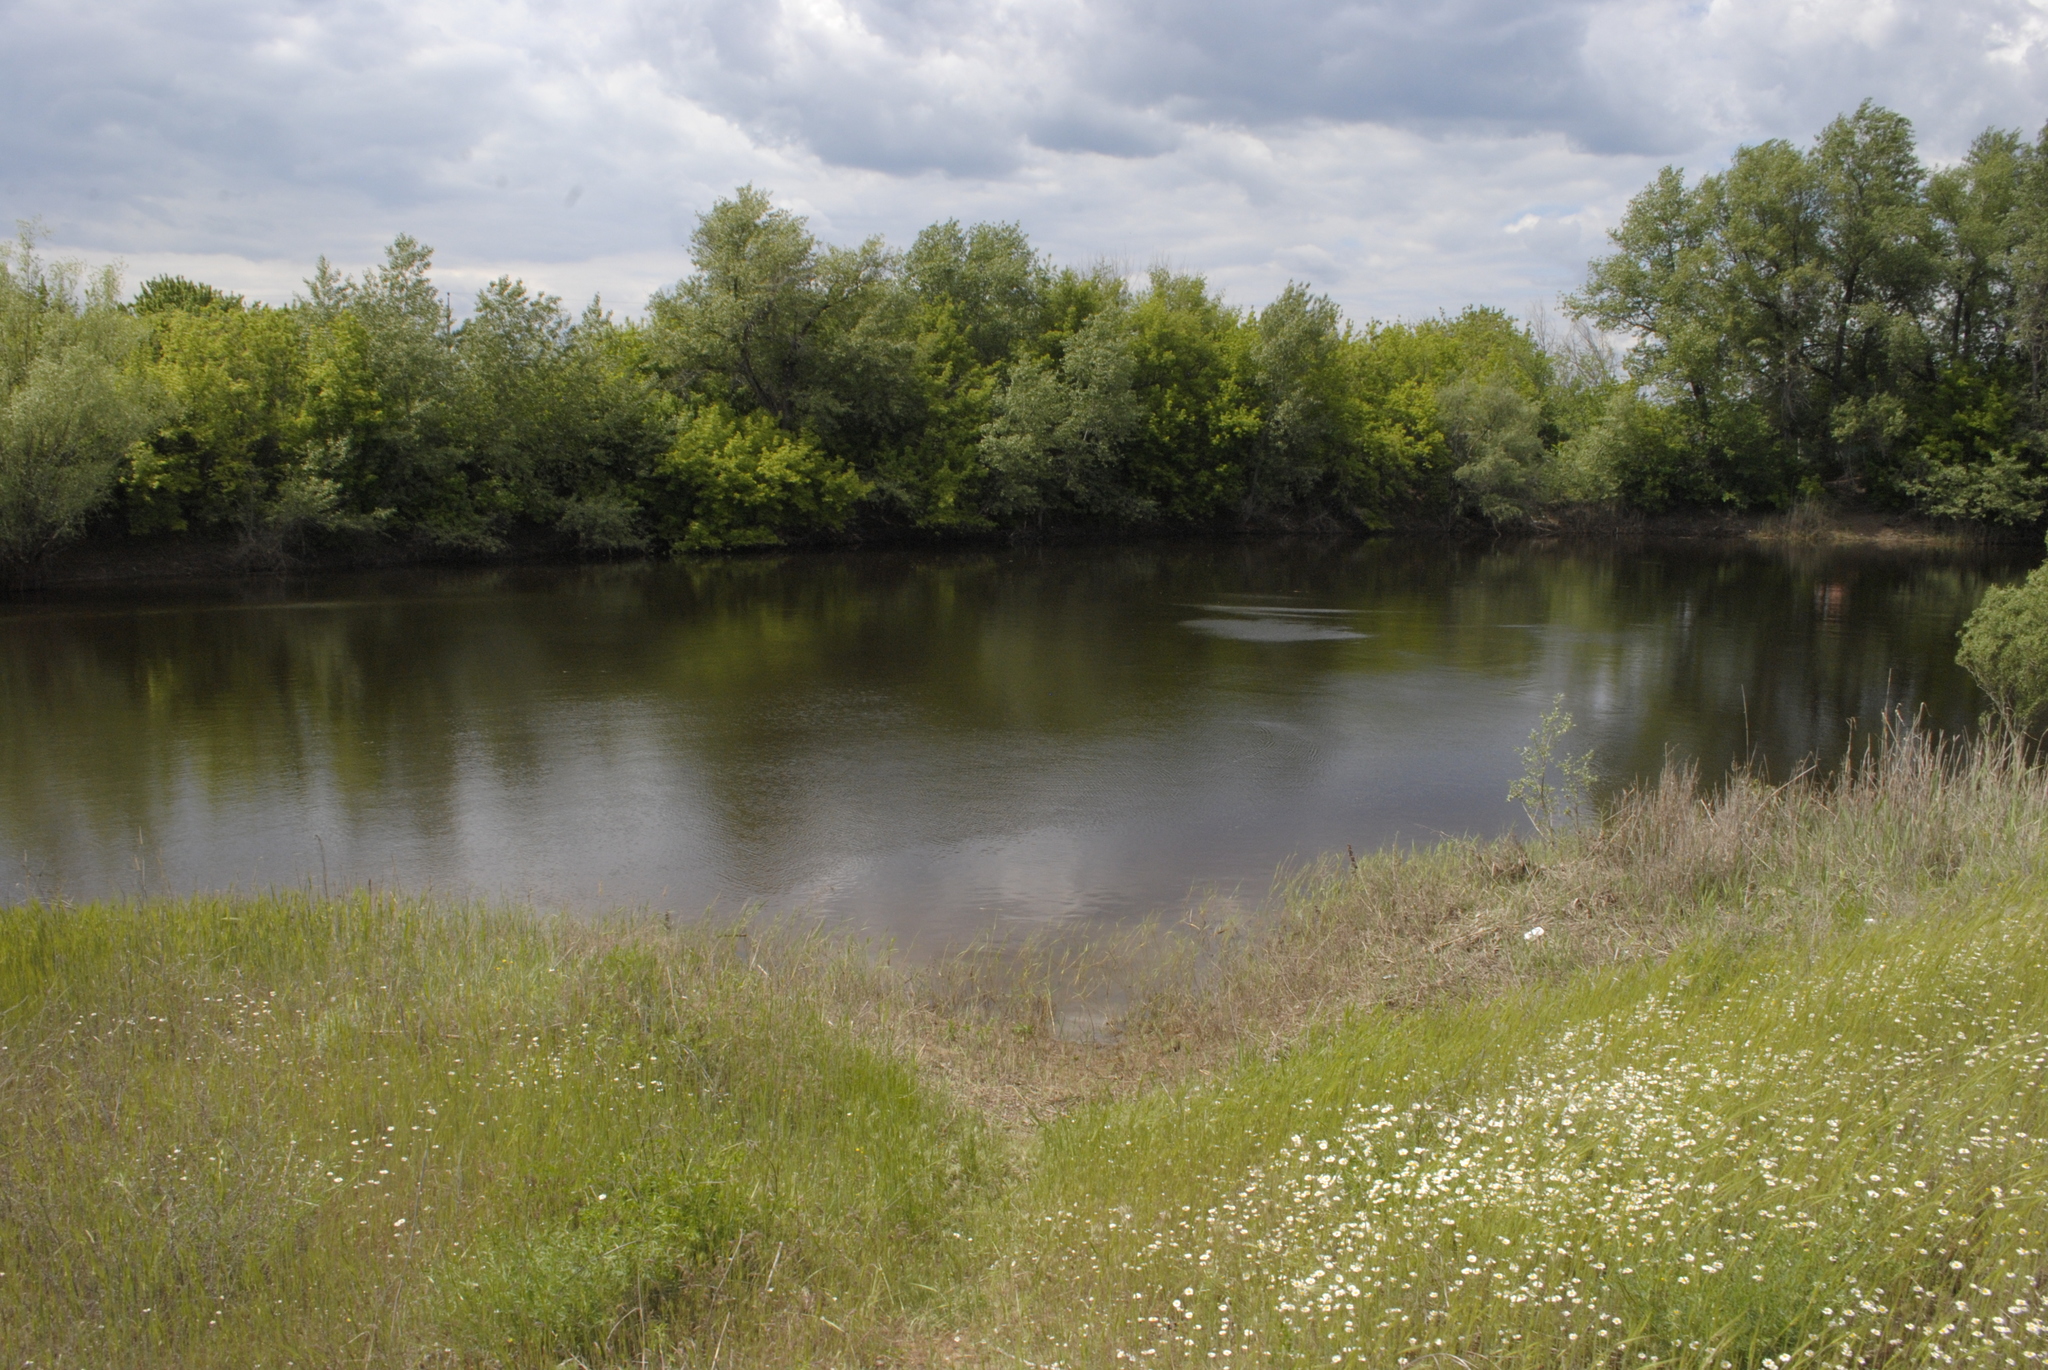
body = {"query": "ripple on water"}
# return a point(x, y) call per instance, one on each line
point(1273, 624)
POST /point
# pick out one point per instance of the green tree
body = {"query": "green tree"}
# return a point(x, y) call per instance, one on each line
point(1717, 300)
point(1974, 211)
point(1311, 420)
point(1828, 317)
point(161, 293)
point(973, 301)
point(384, 377)
point(1193, 378)
point(558, 421)
point(622, 421)
point(987, 277)
point(1884, 261)
point(1976, 447)
point(1055, 441)
point(770, 321)
point(235, 381)
point(1496, 445)
point(1451, 395)
point(70, 404)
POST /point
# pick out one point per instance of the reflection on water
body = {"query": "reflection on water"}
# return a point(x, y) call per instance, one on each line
point(1254, 622)
point(926, 743)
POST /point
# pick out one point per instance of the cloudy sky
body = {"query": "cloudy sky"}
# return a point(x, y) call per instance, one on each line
point(1404, 155)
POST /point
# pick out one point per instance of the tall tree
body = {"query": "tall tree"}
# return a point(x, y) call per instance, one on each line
point(70, 405)
point(383, 376)
point(771, 321)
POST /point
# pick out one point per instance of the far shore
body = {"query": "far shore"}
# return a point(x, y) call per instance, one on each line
point(115, 561)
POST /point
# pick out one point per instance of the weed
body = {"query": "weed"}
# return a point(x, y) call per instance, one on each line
point(1548, 803)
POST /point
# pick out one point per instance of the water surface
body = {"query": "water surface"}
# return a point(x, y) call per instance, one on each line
point(929, 744)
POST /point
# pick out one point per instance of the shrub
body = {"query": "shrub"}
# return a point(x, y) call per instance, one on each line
point(741, 481)
point(2005, 647)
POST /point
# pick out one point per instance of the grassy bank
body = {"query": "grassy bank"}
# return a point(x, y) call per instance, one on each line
point(371, 1131)
point(1764, 1089)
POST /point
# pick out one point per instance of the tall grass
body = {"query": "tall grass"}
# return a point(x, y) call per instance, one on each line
point(1907, 823)
point(1763, 1089)
point(371, 1131)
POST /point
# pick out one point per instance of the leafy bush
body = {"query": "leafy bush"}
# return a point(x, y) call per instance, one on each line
point(740, 481)
point(1058, 427)
point(2003, 490)
point(2005, 648)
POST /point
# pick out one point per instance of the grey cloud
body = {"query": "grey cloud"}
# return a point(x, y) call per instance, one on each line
point(284, 130)
point(876, 100)
point(1751, 69)
point(929, 85)
point(1098, 125)
point(158, 107)
point(916, 133)
point(1118, 77)
point(1499, 64)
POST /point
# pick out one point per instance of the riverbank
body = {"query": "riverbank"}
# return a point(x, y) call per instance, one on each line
point(1810, 524)
point(1728, 1076)
point(114, 561)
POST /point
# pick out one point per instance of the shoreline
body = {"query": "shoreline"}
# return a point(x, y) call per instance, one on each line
point(115, 562)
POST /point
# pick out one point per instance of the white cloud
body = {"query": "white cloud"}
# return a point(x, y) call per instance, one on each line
point(1377, 149)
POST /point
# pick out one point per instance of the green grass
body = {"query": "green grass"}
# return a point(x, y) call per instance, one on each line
point(1837, 1157)
point(283, 1131)
point(1766, 1091)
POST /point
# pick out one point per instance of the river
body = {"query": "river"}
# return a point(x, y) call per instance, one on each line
point(931, 745)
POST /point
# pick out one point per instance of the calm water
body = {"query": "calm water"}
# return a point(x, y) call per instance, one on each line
point(928, 744)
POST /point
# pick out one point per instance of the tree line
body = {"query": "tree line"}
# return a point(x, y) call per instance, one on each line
point(1833, 319)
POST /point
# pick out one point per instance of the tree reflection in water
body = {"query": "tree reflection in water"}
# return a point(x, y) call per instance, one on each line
point(923, 742)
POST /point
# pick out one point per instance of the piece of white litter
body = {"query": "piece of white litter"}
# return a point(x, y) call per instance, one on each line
point(1532, 934)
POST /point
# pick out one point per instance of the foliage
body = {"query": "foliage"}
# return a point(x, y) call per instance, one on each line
point(773, 322)
point(70, 408)
point(1495, 443)
point(1546, 802)
point(362, 410)
point(2005, 648)
point(163, 294)
point(561, 421)
point(788, 390)
point(1303, 427)
point(1055, 437)
point(1838, 317)
point(236, 381)
point(741, 481)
